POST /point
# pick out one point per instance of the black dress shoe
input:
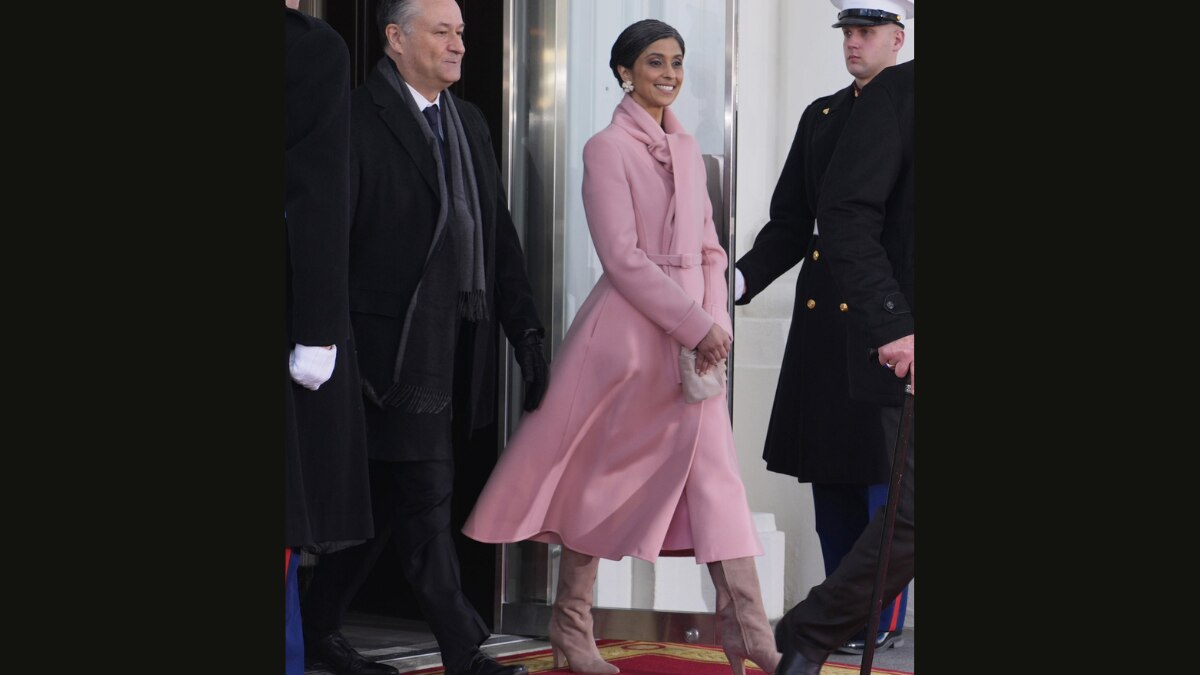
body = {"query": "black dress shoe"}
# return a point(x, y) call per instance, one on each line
point(794, 663)
point(336, 653)
point(482, 664)
point(883, 640)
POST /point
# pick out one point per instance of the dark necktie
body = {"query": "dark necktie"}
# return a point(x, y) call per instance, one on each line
point(435, 123)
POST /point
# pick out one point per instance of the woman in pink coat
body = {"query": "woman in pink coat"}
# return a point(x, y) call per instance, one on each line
point(615, 462)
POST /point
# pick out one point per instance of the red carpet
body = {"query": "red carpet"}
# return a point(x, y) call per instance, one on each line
point(658, 658)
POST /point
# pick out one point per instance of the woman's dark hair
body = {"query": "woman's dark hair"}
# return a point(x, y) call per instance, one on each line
point(635, 38)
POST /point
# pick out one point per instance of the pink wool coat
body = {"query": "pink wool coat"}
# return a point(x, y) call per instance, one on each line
point(615, 462)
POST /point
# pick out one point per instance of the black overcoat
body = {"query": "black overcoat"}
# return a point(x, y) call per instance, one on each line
point(395, 206)
point(866, 211)
point(816, 432)
point(326, 487)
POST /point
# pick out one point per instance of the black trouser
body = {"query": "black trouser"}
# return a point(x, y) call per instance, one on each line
point(411, 504)
point(839, 607)
point(842, 511)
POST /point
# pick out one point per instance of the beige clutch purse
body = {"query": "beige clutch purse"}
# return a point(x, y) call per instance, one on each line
point(696, 388)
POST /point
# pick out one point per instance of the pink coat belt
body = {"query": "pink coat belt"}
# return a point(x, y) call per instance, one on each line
point(684, 260)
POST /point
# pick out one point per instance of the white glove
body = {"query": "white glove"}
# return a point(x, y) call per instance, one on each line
point(312, 367)
point(739, 285)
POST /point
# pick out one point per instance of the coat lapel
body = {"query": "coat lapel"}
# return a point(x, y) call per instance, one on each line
point(396, 115)
point(686, 203)
point(828, 127)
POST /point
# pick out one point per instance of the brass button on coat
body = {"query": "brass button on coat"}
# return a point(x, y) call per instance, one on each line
point(844, 307)
point(811, 303)
point(816, 254)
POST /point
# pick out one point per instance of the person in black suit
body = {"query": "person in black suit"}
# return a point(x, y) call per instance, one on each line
point(867, 224)
point(435, 263)
point(326, 489)
point(817, 432)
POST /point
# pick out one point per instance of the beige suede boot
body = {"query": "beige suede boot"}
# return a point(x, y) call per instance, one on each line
point(742, 626)
point(571, 621)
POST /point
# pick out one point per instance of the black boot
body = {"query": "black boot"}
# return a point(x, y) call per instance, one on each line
point(482, 664)
point(793, 662)
point(336, 653)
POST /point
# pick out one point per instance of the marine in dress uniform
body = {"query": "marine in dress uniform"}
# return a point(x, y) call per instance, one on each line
point(817, 432)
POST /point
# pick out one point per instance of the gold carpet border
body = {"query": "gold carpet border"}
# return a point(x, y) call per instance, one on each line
point(628, 649)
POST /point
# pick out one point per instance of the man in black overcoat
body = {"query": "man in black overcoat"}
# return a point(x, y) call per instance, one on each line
point(867, 223)
point(817, 432)
point(435, 263)
point(326, 488)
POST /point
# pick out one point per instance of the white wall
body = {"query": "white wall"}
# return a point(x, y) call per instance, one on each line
point(788, 55)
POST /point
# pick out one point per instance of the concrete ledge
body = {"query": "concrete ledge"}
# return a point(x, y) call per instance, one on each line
point(681, 585)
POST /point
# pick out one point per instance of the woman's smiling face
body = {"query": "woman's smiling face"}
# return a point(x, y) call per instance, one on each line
point(657, 76)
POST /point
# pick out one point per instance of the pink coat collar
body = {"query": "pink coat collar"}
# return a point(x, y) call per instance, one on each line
point(634, 119)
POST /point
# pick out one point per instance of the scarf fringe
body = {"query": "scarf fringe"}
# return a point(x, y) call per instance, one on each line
point(471, 305)
point(417, 399)
point(411, 397)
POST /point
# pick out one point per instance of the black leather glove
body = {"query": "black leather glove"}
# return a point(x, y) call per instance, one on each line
point(531, 357)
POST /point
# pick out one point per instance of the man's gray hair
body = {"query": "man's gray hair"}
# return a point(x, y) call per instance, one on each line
point(399, 12)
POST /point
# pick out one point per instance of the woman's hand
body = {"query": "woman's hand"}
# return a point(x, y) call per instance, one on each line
point(714, 347)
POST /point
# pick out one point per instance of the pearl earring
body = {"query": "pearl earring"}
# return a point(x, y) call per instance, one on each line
point(627, 86)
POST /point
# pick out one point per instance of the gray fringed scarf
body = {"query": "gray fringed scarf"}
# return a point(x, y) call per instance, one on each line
point(423, 376)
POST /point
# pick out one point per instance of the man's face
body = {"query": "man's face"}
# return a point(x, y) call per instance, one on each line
point(870, 49)
point(430, 56)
